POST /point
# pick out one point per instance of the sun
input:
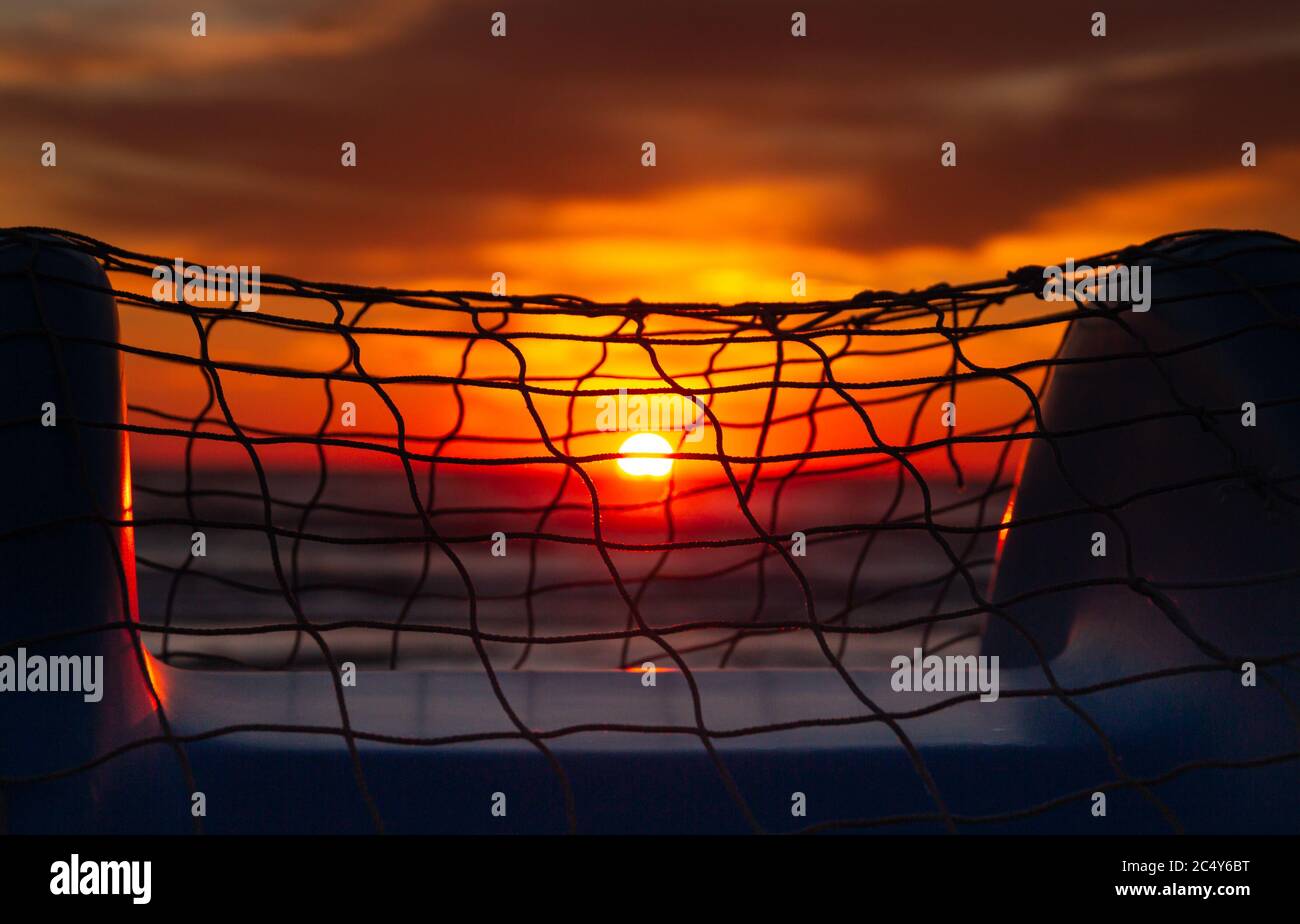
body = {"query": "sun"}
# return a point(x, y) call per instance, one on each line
point(650, 468)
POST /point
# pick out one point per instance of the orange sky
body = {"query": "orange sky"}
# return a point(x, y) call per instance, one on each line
point(522, 155)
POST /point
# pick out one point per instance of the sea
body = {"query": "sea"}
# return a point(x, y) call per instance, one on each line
point(352, 556)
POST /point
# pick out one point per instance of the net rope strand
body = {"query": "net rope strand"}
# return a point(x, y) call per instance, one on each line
point(817, 351)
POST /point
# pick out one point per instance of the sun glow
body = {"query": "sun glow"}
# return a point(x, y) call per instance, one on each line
point(651, 468)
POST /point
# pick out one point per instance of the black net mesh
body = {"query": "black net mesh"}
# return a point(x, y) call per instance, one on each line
point(411, 479)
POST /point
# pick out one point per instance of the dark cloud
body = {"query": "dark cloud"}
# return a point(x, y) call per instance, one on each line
point(466, 140)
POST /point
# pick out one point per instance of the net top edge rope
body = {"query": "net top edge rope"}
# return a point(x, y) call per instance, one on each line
point(1022, 280)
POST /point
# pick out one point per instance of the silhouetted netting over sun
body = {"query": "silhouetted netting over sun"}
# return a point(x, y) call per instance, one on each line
point(1099, 490)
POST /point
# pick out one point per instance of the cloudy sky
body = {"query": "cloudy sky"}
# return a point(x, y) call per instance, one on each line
point(522, 154)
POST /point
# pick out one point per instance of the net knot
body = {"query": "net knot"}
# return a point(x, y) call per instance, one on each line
point(1262, 484)
point(1028, 277)
point(1140, 584)
point(1205, 419)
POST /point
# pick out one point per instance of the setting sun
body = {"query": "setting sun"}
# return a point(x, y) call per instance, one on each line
point(646, 442)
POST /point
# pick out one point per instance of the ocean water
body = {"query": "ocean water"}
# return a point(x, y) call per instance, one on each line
point(366, 552)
